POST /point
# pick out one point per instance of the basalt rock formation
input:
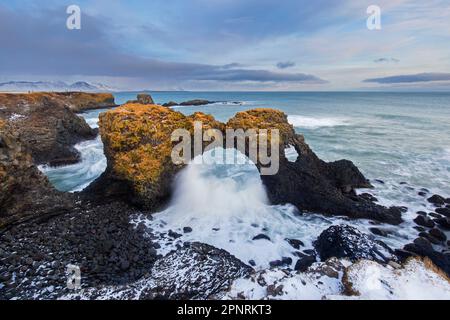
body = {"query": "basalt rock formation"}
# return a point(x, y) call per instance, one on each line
point(24, 191)
point(47, 125)
point(196, 102)
point(142, 98)
point(138, 147)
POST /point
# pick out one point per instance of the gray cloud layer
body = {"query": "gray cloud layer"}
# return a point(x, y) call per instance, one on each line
point(421, 77)
point(41, 45)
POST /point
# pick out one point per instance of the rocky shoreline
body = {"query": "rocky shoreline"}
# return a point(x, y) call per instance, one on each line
point(43, 230)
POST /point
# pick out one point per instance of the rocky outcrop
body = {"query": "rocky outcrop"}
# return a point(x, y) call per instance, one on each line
point(196, 102)
point(142, 98)
point(24, 191)
point(204, 270)
point(47, 125)
point(196, 271)
point(138, 147)
point(348, 242)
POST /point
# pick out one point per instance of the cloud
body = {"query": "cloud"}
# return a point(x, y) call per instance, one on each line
point(42, 45)
point(420, 77)
point(386, 60)
point(285, 65)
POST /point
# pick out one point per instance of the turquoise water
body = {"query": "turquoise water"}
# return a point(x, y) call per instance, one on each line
point(402, 139)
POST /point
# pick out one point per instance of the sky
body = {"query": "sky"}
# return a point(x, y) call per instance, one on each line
point(249, 45)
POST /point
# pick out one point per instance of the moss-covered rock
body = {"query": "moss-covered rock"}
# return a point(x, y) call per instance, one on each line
point(138, 146)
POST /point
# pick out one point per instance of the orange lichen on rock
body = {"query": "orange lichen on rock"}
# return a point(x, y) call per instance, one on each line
point(138, 144)
point(263, 118)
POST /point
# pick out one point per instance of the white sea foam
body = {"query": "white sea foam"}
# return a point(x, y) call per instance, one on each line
point(78, 176)
point(226, 206)
point(314, 123)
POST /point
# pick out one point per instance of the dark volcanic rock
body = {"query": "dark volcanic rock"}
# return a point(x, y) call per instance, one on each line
point(46, 125)
point(423, 247)
point(438, 234)
point(24, 191)
point(170, 104)
point(424, 221)
point(347, 242)
point(369, 197)
point(296, 244)
point(196, 271)
point(187, 229)
point(196, 102)
point(436, 200)
point(379, 232)
point(443, 222)
point(304, 263)
point(97, 239)
point(261, 237)
point(443, 211)
point(429, 237)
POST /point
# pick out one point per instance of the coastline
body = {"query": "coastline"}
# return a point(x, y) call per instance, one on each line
point(144, 231)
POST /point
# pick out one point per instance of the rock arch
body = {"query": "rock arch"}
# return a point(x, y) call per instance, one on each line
point(138, 147)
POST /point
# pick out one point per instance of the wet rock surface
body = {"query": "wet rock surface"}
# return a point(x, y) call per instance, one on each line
point(348, 242)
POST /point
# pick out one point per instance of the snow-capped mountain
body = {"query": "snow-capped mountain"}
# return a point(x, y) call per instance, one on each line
point(25, 86)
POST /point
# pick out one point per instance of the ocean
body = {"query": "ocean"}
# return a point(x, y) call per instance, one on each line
point(400, 141)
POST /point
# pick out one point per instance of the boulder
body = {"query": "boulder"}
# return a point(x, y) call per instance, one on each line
point(424, 221)
point(304, 263)
point(443, 211)
point(436, 200)
point(196, 271)
point(25, 192)
point(443, 222)
point(422, 247)
point(344, 241)
point(47, 125)
point(142, 98)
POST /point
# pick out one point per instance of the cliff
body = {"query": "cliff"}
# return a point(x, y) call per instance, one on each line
point(24, 191)
point(47, 124)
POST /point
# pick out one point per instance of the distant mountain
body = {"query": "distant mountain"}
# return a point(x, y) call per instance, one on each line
point(58, 86)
